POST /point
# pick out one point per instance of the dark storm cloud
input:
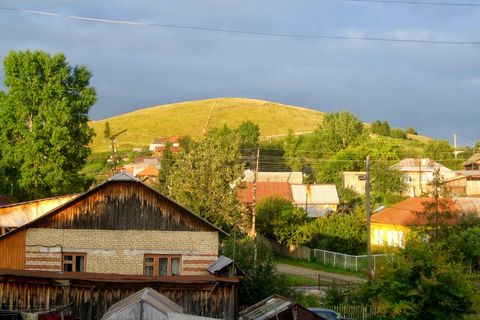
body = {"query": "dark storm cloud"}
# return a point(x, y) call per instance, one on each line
point(435, 88)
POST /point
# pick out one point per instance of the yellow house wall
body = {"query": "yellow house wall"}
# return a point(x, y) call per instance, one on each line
point(376, 229)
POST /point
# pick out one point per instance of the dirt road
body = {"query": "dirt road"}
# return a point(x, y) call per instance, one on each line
point(289, 269)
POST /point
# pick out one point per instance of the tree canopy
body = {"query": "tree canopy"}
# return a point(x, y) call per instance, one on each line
point(43, 125)
point(204, 177)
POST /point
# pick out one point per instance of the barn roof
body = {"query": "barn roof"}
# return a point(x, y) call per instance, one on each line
point(121, 177)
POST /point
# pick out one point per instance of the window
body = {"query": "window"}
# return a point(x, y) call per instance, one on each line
point(378, 237)
point(74, 262)
point(161, 265)
point(407, 179)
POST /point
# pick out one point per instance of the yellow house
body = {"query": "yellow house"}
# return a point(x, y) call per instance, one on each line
point(391, 226)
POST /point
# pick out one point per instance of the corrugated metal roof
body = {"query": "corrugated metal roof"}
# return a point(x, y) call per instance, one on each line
point(315, 194)
point(18, 214)
point(265, 189)
point(266, 308)
point(221, 263)
point(182, 316)
point(159, 302)
point(290, 177)
point(417, 165)
point(122, 176)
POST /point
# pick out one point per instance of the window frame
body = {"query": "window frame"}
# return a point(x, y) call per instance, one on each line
point(73, 262)
point(156, 264)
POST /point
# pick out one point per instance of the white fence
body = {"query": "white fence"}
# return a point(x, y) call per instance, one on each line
point(346, 261)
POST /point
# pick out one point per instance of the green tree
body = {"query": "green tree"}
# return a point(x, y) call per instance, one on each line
point(290, 145)
point(418, 282)
point(411, 130)
point(465, 247)
point(106, 131)
point(387, 183)
point(205, 178)
point(166, 164)
point(442, 152)
point(267, 209)
point(44, 130)
point(278, 218)
point(249, 134)
point(398, 133)
point(262, 279)
point(381, 128)
point(338, 130)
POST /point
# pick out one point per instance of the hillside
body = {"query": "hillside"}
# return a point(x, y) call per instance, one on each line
point(192, 117)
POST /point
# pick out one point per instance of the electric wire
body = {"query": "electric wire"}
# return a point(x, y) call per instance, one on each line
point(237, 31)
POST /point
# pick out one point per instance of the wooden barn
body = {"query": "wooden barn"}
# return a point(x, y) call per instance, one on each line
point(112, 240)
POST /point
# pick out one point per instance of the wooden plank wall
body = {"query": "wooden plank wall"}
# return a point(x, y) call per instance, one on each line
point(89, 302)
point(12, 251)
point(125, 206)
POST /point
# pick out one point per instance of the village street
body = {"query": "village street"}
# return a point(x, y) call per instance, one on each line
point(316, 274)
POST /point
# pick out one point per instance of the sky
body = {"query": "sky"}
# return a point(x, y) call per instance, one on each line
point(432, 87)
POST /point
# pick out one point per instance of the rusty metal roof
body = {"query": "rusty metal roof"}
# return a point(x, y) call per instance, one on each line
point(113, 278)
point(264, 190)
point(18, 214)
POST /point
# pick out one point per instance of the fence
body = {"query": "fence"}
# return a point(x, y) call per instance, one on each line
point(316, 280)
point(346, 261)
point(301, 253)
point(355, 312)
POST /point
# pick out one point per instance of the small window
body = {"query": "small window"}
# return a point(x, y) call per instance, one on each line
point(74, 262)
point(161, 265)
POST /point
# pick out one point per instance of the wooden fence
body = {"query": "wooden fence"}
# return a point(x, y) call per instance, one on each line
point(301, 253)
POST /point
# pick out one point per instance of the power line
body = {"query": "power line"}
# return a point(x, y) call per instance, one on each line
point(237, 31)
point(424, 3)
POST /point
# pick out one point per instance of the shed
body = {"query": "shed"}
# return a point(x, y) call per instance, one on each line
point(144, 304)
point(277, 307)
point(147, 304)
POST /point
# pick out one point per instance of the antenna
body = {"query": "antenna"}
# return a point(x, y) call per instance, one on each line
point(455, 151)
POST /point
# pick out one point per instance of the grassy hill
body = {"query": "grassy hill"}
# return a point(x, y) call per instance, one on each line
point(193, 117)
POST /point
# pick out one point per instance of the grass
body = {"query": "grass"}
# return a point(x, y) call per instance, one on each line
point(316, 266)
point(191, 117)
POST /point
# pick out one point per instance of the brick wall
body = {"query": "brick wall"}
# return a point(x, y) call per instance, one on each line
point(120, 251)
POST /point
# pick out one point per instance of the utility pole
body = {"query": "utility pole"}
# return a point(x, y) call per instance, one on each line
point(367, 202)
point(254, 200)
point(114, 150)
point(254, 208)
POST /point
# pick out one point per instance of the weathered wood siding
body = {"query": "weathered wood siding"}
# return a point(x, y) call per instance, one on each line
point(125, 206)
point(12, 251)
point(91, 302)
